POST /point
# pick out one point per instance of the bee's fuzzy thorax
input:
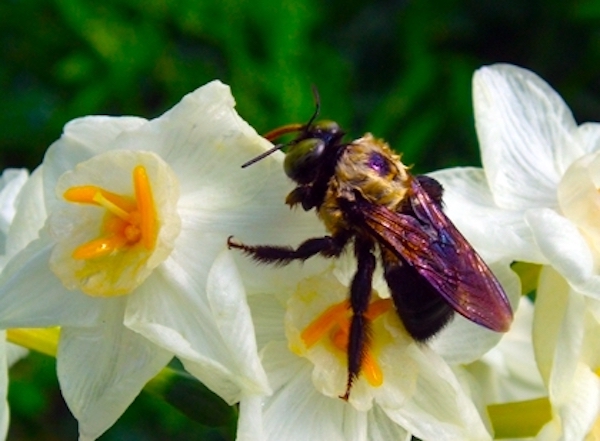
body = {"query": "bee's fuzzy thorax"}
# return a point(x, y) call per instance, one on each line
point(368, 165)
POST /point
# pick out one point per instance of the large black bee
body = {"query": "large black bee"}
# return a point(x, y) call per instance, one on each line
point(364, 194)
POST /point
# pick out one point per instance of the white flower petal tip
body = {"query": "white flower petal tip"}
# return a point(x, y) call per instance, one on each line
point(527, 135)
point(102, 369)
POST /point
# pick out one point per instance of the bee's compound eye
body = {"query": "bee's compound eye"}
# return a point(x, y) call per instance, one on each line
point(300, 162)
point(326, 126)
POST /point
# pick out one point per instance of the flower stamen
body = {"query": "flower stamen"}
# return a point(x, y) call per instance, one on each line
point(323, 323)
point(333, 325)
point(146, 210)
point(128, 221)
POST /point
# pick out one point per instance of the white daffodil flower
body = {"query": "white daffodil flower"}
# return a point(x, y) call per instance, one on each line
point(537, 200)
point(404, 388)
point(114, 239)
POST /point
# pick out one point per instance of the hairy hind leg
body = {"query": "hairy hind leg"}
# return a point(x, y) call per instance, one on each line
point(327, 246)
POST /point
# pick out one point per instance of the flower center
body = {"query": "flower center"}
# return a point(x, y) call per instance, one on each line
point(128, 222)
point(332, 328)
point(117, 221)
point(317, 324)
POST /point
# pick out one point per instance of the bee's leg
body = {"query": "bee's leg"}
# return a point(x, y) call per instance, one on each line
point(360, 296)
point(327, 246)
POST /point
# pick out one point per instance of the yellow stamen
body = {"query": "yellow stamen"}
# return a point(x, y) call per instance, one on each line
point(143, 195)
point(323, 323)
point(102, 246)
point(371, 370)
point(113, 208)
point(128, 221)
point(85, 194)
point(334, 323)
point(340, 336)
point(378, 308)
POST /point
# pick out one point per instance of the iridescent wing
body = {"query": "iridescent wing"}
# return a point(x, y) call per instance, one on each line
point(428, 241)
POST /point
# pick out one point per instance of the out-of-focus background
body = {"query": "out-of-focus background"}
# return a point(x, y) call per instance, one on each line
point(399, 69)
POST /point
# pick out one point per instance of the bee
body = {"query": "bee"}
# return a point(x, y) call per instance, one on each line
point(366, 197)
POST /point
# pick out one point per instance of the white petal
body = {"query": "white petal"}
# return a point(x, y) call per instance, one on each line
point(250, 422)
point(568, 346)
point(31, 296)
point(264, 219)
point(463, 341)
point(578, 196)
point(579, 410)
point(268, 317)
point(98, 132)
point(102, 369)
point(205, 142)
point(494, 232)
point(297, 411)
point(11, 182)
point(172, 310)
point(30, 215)
point(526, 133)
point(381, 428)
point(438, 408)
point(589, 135)
point(561, 243)
point(226, 297)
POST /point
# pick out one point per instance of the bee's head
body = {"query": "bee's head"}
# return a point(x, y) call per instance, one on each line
point(306, 151)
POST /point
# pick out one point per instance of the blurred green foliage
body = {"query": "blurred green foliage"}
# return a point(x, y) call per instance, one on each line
point(400, 69)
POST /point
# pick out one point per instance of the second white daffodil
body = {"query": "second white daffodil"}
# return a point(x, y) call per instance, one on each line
point(404, 389)
point(537, 200)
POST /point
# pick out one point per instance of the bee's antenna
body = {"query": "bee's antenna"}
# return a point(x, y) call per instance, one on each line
point(263, 155)
point(273, 134)
point(317, 99)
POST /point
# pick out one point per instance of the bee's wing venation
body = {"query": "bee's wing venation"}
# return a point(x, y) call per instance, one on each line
point(440, 253)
